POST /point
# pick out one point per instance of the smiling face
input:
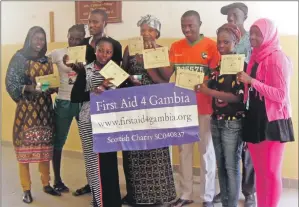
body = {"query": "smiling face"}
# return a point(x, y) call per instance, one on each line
point(38, 42)
point(148, 33)
point(190, 27)
point(256, 37)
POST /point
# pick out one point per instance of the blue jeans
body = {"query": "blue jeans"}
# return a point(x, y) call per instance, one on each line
point(227, 142)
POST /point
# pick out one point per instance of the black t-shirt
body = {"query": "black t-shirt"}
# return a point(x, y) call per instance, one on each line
point(229, 84)
point(78, 94)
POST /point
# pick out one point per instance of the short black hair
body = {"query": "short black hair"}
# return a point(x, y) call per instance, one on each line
point(101, 12)
point(192, 13)
point(104, 39)
point(78, 28)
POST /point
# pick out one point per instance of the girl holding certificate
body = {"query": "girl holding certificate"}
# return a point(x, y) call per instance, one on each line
point(102, 171)
point(153, 167)
point(227, 118)
point(33, 129)
point(268, 124)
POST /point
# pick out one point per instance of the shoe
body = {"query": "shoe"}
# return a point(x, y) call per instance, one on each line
point(207, 204)
point(124, 201)
point(60, 187)
point(82, 191)
point(49, 190)
point(250, 201)
point(27, 197)
point(217, 198)
point(182, 202)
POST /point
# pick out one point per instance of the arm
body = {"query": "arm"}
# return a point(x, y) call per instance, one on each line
point(15, 78)
point(156, 75)
point(166, 72)
point(228, 97)
point(172, 76)
point(125, 60)
point(213, 70)
point(117, 54)
point(280, 76)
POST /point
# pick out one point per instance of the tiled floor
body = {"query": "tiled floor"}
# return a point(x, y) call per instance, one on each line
point(74, 175)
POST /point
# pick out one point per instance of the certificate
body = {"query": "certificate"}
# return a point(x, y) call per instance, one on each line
point(112, 70)
point(188, 79)
point(76, 54)
point(52, 80)
point(135, 45)
point(156, 58)
point(232, 64)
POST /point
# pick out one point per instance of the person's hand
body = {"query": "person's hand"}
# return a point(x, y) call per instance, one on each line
point(149, 44)
point(107, 82)
point(98, 90)
point(65, 59)
point(139, 58)
point(135, 81)
point(202, 88)
point(245, 146)
point(244, 77)
point(50, 91)
point(32, 89)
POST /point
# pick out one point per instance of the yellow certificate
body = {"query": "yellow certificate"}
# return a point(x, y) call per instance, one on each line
point(188, 79)
point(53, 80)
point(232, 64)
point(76, 54)
point(135, 45)
point(112, 70)
point(156, 58)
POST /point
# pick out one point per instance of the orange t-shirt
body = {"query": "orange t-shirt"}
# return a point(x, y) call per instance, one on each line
point(200, 56)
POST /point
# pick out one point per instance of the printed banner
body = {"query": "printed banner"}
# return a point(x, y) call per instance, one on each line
point(143, 117)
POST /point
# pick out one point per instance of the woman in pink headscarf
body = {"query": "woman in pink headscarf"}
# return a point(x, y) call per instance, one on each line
point(268, 125)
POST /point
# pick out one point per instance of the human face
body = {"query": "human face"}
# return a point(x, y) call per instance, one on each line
point(236, 16)
point(190, 27)
point(38, 42)
point(96, 24)
point(256, 37)
point(148, 33)
point(104, 52)
point(225, 43)
point(75, 38)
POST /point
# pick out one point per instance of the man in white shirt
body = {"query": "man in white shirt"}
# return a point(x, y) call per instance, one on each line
point(65, 111)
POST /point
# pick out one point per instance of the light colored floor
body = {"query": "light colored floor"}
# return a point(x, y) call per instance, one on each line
point(73, 174)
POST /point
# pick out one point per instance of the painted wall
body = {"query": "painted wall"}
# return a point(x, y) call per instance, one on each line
point(13, 35)
point(30, 13)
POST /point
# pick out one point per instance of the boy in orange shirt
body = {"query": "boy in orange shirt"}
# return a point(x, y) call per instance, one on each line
point(196, 53)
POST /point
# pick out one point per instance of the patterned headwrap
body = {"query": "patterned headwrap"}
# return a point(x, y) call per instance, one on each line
point(151, 21)
point(231, 28)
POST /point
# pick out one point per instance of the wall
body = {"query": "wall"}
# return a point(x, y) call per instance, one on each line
point(169, 13)
point(13, 37)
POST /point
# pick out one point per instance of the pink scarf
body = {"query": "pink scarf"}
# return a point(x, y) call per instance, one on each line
point(269, 45)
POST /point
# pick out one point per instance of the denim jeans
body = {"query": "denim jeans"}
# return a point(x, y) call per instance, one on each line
point(227, 142)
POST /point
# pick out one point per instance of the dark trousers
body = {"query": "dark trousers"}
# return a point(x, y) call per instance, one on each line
point(248, 176)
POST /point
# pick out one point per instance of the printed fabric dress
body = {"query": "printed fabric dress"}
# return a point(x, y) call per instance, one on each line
point(149, 176)
point(33, 128)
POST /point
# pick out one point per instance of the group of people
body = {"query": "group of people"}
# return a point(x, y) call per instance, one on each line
point(241, 117)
